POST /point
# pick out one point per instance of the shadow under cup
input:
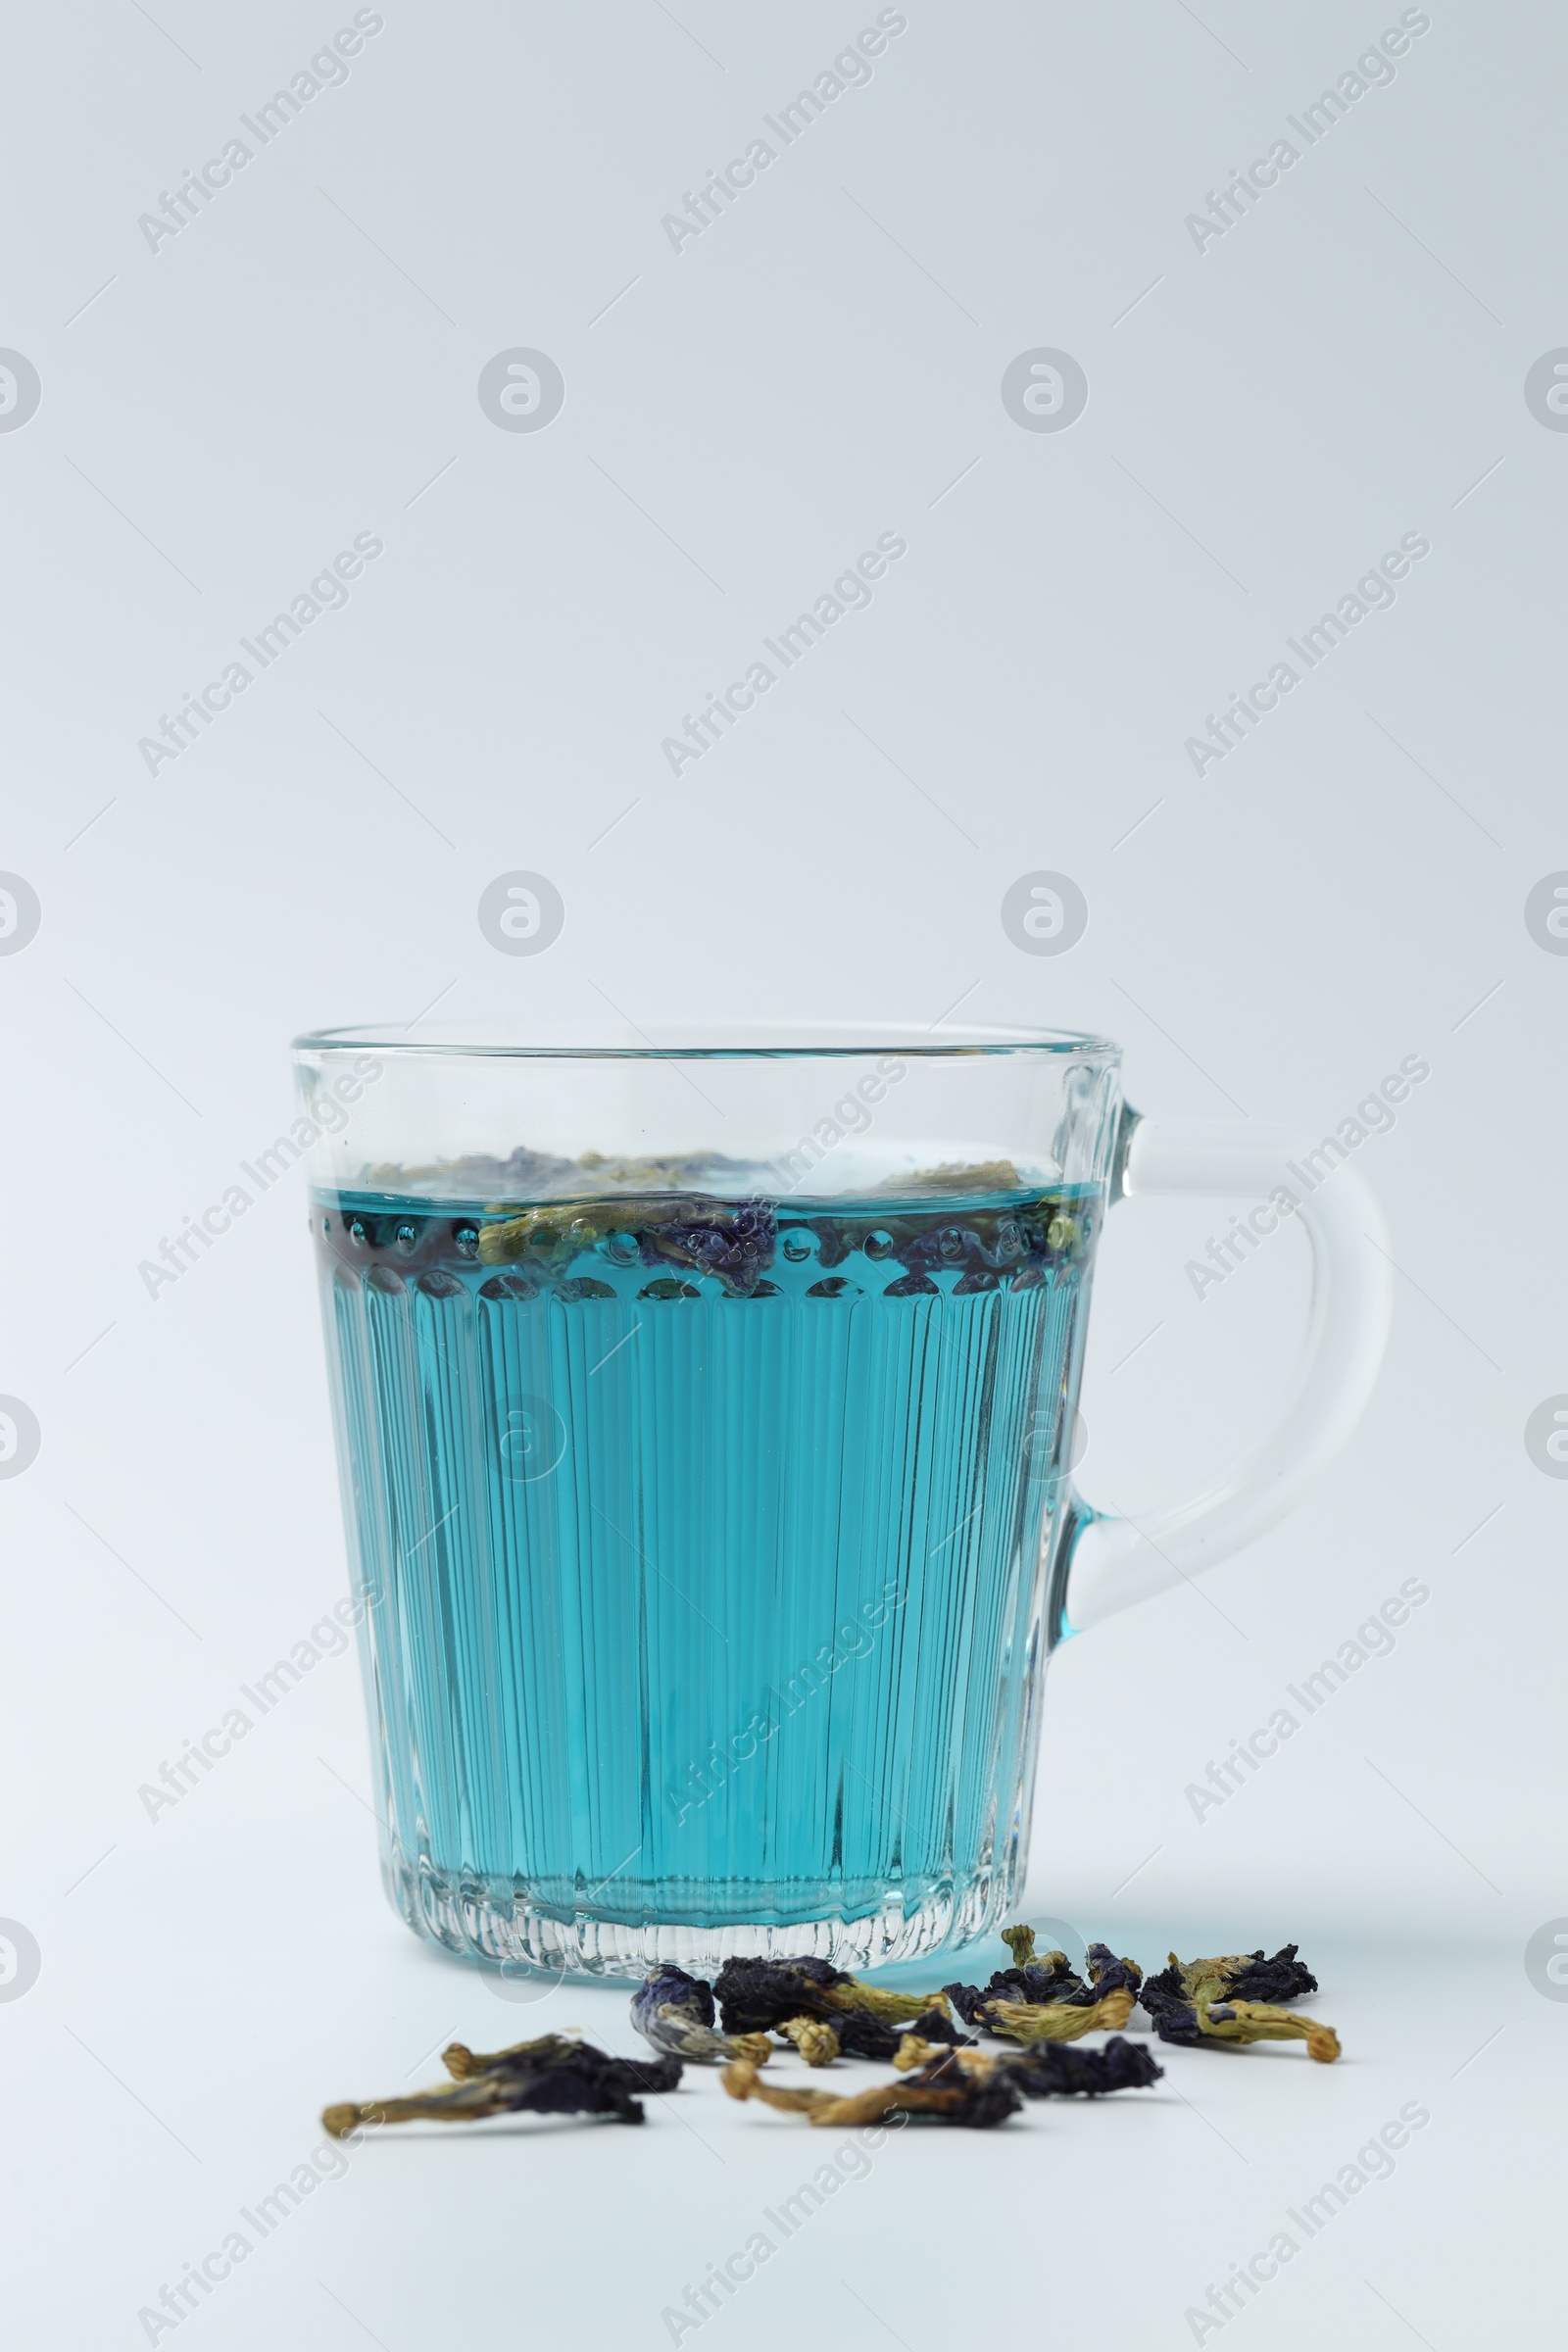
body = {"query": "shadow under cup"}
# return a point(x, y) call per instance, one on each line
point(702, 1419)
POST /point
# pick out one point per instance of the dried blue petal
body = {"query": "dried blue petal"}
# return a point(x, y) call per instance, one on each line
point(969, 2001)
point(692, 1995)
point(1048, 2070)
point(763, 1995)
point(756, 1996)
point(1106, 1973)
point(935, 2025)
point(861, 2036)
point(1283, 1979)
point(675, 2012)
point(1037, 1982)
point(945, 2093)
point(734, 1243)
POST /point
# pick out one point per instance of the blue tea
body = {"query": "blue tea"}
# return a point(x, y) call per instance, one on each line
point(704, 1540)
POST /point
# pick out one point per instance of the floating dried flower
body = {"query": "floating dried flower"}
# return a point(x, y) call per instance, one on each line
point(557, 2074)
point(690, 1230)
point(944, 2095)
point(675, 2012)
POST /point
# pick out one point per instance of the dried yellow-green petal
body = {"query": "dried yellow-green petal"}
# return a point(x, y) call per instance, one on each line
point(1020, 1943)
point(956, 1176)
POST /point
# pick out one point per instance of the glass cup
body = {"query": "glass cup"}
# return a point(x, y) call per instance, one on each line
point(704, 1416)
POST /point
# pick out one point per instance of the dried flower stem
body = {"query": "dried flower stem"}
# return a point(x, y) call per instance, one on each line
point(449, 2103)
point(1261, 2021)
point(462, 2063)
point(1058, 2021)
point(955, 2100)
point(893, 2008)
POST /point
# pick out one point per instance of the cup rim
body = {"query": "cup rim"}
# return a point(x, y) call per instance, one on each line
point(708, 1041)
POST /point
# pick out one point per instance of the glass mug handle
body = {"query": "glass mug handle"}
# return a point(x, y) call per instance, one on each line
point(1113, 1563)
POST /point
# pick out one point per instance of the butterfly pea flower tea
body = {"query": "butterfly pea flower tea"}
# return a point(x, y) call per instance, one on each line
point(704, 1414)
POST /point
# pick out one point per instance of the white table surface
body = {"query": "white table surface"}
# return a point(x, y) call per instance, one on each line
point(159, 2087)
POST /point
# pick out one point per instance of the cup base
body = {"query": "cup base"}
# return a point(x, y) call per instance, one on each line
point(514, 1933)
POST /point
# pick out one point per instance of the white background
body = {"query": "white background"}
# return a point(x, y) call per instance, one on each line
point(1346, 889)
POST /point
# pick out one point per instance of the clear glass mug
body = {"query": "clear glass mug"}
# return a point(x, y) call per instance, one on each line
point(704, 1416)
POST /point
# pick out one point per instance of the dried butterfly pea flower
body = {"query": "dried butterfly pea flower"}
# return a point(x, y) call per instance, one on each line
point(956, 1176)
point(1281, 1979)
point(736, 1244)
point(755, 1997)
point(675, 2012)
point(1047, 2070)
point(1057, 2021)
point(1106, 1975)
point(1194, 2004)
point(557, 2074)
point(1048, 1978)
point(551, 1236)
point(758, 1997)
point(1044, 2000)
point(734, 1241)
point(1053, 2070)
point(969, 2001)
point(943, 2096)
